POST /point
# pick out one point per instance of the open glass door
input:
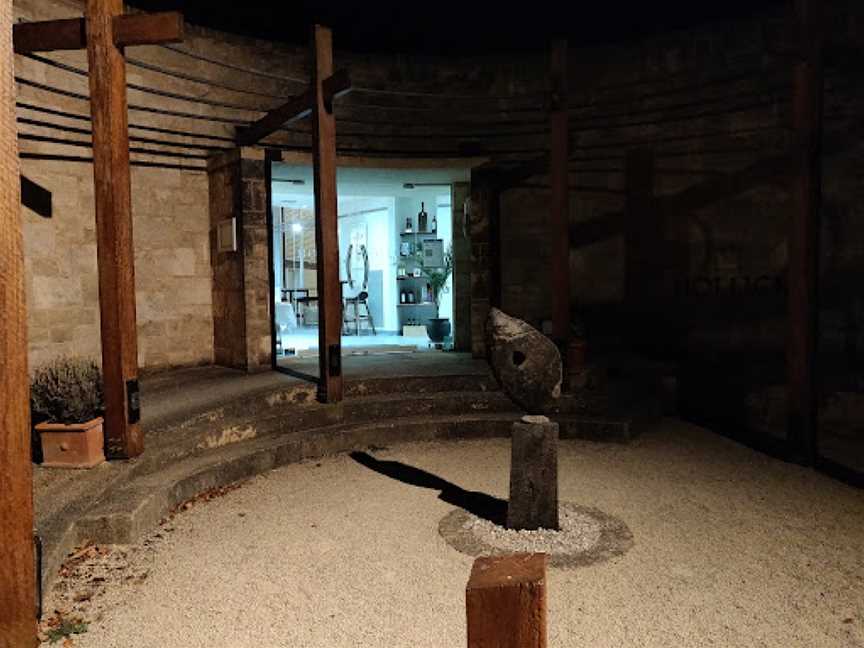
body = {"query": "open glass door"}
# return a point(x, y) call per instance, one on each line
point(294, 277)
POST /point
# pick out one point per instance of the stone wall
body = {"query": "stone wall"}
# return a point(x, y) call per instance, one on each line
point(172, 270)
point(708, 101)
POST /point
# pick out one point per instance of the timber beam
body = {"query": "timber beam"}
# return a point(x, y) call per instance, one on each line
point(71, 34)
point(295, 109)
point(326, 220)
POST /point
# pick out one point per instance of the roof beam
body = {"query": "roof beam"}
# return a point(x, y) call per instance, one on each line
point(299, 107)
point(71, 34)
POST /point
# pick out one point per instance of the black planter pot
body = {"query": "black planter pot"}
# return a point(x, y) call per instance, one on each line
point(438, 329)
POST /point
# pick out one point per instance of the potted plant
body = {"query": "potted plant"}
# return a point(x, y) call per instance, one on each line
point(66, 397)
point(439, 327)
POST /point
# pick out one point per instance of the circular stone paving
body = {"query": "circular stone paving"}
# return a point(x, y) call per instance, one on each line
point(587, 536)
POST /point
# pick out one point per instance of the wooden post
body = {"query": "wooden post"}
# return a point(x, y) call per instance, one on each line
point(326, 223)
point(559, 215)
point(506, 602)
point(114, 249)
point(804, 228)
point(17, 572)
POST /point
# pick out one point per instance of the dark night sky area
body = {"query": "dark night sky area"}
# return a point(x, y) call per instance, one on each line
point(448, 26)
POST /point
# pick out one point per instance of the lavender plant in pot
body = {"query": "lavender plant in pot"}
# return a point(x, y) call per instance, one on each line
point(66, 396)
point(439, 328)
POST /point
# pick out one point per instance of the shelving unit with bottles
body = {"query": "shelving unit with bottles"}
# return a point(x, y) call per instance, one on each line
point(415, 301)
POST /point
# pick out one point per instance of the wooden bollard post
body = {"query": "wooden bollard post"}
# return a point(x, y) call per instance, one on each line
point(506, 602)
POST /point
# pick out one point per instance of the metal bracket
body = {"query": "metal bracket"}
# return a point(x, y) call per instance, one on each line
point(334, 360)
point(133, 401)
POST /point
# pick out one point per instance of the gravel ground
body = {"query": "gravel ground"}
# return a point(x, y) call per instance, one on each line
point(731, 549)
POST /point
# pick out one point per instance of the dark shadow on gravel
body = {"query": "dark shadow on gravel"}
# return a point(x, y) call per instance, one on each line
point(479, 504)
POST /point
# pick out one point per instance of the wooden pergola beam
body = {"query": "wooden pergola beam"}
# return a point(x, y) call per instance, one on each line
point(806, 186)
point(71, 33)
point(17, 569)
point(104, 31)
point(294, 109)
point(115, 252)
point(326, 220)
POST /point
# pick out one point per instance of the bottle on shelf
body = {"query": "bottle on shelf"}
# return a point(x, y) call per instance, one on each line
point(402, 298)
point(411, 299)
point(409, 228)
point(422, 219)
point(434, 224)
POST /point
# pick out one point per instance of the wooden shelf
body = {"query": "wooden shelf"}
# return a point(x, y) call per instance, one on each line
point(417, 304)
point(418, 233)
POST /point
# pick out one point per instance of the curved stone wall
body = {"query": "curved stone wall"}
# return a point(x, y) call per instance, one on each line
point(708, 100)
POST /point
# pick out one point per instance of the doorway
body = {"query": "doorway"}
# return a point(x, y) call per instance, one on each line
point(396, 262)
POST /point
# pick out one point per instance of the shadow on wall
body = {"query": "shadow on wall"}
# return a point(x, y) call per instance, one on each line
point(480, 504)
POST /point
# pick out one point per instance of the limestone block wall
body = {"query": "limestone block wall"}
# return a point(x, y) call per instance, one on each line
point(172, 266)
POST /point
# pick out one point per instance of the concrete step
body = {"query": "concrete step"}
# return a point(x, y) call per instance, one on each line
point(124, 514)
point(266, 414)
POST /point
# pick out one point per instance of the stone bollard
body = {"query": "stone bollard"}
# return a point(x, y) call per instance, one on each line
point(533, 475)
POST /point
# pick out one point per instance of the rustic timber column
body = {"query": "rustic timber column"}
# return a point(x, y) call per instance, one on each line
point(326, 223)
point(17, 573)
point(802, 302)
point(506, 602)
point(559, 214)
point(114, 230)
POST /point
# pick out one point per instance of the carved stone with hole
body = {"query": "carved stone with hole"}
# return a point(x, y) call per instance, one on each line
point(526, 362)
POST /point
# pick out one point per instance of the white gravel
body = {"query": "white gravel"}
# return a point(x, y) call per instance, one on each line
point(731, 549)
point(578, 533)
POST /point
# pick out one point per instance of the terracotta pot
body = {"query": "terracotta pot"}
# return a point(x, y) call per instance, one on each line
point(80, 445)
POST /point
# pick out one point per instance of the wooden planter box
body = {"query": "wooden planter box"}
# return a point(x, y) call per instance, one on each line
point(72, 446)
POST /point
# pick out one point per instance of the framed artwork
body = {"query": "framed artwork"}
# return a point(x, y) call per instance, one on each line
point(433, 253)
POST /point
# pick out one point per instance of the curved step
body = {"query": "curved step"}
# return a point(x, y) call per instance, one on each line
point(123, 514)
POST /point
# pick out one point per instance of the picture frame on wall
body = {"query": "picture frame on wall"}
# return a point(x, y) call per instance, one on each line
point(433, 253)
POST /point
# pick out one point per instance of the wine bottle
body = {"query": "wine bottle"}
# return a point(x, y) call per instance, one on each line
point(408, 227)
point(434, 224)
point(422, 219)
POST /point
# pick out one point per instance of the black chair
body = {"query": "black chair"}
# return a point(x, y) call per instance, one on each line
point(354, 303)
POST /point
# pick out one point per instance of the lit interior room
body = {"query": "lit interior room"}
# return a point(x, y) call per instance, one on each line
point(395, 260)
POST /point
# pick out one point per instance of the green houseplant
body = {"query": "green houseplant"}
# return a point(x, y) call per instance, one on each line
point(66, 397)
point(439, 327)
